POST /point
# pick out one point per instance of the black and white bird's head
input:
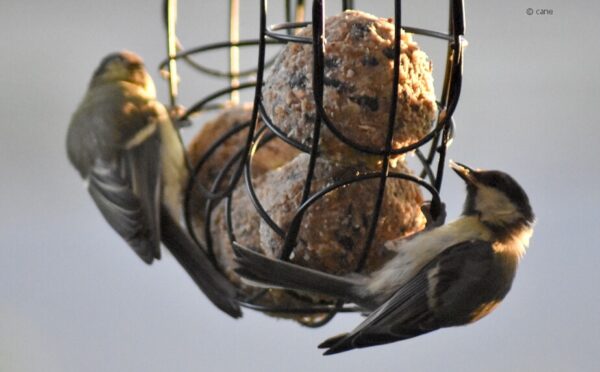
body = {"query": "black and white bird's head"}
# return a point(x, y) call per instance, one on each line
point(496, 198)
point(123, 66)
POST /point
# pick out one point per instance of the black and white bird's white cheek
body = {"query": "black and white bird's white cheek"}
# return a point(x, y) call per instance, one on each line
point(495, 207)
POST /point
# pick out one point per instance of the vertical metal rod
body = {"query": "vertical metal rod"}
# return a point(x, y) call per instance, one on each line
point(442, 116)
point(299, 16)
point(457, 30)
point(452, 84)
point(172, 51)
point(288, 11)
point(452, 81)
point(234, 51)
point(318, 18)
point(434, 211)
point(388, 139)
point(173, 75)
point(347, 4)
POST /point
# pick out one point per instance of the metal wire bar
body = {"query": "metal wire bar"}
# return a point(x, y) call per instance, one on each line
point(289, 37)
point(186, 54)
point(208, 194)
point(198, 166)
point(197, 107)
point(290, 26)
point(281, 134)
point(253, 121)
point(240, 163)
point(363, 177)
point(318, 89)
point(211, 203)
point(170, 16)
point(172, 50)
point(234, 51)
point(426, 170)
point(299, 17)
point(251, 191)
point(388, 140)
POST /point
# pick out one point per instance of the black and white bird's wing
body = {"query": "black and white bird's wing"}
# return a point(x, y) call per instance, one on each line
point(443, 293)
point(127, 191)
point(404, 315)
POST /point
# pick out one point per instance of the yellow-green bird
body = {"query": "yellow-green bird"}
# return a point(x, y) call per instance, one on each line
point(123, 143)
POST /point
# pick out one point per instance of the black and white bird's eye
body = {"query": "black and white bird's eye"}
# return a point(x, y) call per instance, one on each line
point(492, 179)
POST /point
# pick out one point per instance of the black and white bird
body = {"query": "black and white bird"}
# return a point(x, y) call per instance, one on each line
point(450, 275)
point(123, 143)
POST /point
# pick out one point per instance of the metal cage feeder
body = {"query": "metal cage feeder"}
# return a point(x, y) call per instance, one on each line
point(430, 149)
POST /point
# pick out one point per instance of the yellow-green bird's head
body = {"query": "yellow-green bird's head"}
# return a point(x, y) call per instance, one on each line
point(124, 66)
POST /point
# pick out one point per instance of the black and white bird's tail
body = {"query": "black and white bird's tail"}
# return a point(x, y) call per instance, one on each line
point(350, 341)
point(198, 265)
point(257, 268)
point(336, 344)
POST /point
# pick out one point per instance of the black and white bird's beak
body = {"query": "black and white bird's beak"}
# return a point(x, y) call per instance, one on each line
point(466, 173)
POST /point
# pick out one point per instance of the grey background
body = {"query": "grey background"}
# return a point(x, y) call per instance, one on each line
point(73, 296)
